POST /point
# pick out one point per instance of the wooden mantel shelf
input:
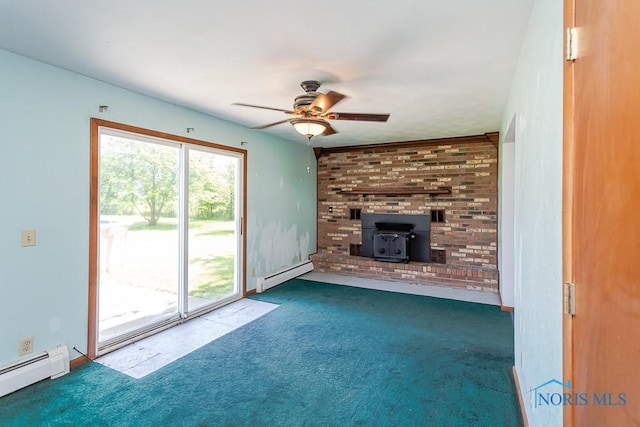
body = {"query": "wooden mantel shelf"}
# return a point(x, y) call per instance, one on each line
point(396, 191)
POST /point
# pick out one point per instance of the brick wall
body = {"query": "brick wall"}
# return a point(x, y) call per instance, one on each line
point(467, 166)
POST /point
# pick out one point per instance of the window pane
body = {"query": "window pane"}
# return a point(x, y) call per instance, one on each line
point(212, 227)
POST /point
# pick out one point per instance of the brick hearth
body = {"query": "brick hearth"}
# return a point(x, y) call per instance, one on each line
point(457, 276)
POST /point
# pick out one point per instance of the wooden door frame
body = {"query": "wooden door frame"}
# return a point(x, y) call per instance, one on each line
point(568, 207)
point(94, 215)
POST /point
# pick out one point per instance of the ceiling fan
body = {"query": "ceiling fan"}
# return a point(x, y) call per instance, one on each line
point(312, 112)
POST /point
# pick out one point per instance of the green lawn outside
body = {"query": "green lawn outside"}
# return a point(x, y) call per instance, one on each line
point(147, 256)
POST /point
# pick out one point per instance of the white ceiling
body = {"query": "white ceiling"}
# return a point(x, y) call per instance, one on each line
point(440, 67)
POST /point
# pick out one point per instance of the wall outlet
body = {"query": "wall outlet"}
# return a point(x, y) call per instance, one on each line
point(25, 346)
point(253, 272)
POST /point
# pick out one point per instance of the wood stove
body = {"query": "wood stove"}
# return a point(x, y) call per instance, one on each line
point(396, 237)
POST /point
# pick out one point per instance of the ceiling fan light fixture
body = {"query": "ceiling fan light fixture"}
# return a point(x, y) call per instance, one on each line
point(309, 127)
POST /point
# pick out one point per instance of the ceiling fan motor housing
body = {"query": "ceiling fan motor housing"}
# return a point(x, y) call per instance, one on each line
point(302, 102)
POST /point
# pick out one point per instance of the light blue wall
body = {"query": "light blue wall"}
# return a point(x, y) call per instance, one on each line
point(536, 102)
point(44, 184)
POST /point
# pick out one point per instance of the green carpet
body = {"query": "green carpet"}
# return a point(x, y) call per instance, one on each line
point(328, 356)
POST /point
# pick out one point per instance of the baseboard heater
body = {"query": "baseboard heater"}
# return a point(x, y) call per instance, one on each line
point(52, 364)
point(275, 279)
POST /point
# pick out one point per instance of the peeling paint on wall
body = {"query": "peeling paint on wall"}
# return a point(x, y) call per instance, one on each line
point(281, 214)
point(274, 246)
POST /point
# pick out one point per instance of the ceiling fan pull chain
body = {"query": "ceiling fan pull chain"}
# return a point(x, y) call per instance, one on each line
point(309, 154)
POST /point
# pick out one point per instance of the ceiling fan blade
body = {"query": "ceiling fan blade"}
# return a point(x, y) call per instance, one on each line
point(359, 117)
point(270, 124)
point(325, 101)
point(329, 131)
point(264, 108)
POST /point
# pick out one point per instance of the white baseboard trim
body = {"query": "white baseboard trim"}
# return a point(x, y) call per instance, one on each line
point(264, 283)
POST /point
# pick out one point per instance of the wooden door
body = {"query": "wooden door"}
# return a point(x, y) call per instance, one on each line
point(602, 212)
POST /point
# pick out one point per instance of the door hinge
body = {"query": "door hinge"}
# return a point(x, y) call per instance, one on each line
point(570, 299)
point(571, 49)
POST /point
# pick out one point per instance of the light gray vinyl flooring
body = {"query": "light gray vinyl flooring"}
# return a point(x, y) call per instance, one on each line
point(406, 288)
point(152, 353)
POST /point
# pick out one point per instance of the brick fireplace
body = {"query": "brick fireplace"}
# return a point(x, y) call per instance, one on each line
point(451, 181)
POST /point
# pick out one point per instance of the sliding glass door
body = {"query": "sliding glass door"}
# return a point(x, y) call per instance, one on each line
point(212, 228)
point(169, 241)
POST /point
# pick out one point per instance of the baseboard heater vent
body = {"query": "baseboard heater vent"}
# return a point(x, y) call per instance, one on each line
point(275, 279)
point(52, 364)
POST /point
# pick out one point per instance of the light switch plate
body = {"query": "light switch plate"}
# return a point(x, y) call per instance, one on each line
point(28, 237)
